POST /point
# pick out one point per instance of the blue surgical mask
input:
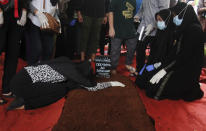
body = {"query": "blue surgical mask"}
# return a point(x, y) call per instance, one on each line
point(161, 25)
point(177, 21)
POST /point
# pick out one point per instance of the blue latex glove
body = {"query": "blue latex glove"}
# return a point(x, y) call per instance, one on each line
point(141, 71)
point(73, 22)
point(150, 68)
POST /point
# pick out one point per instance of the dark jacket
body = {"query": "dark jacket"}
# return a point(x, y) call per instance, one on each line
point(93, 8)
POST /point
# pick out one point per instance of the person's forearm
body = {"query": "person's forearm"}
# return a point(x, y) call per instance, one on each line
point(111, 20)
point(1, 10)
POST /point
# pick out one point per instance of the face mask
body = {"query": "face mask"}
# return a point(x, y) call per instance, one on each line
point(161, 25)
point(176, 19)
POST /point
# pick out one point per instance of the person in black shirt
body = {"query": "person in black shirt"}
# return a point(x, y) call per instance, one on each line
point(91, 13)
point(122, 28)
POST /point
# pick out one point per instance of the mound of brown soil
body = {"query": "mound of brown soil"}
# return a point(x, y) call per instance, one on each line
point(112, 109)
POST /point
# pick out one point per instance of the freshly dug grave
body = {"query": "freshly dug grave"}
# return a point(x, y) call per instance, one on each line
point(112, 109)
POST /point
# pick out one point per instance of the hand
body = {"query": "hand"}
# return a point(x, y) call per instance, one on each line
point(1, 18)
point(104, 20)
point(158, 76)
point(111, 32)
point(23, 19)
point(43, 19)
point(73, 22)
point(148, 29)
point(153, 66)
point(136, 18)
point(80, 18)
point(117, 83)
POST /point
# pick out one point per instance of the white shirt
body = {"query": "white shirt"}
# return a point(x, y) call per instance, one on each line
point(38, 4)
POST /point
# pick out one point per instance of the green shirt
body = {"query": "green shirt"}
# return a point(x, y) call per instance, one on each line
point(124, 11)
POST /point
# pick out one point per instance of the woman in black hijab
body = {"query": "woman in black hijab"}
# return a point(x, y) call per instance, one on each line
point(179, 75)
point(160, 47)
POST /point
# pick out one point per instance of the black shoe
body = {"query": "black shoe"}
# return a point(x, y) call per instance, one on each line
point(17, 102)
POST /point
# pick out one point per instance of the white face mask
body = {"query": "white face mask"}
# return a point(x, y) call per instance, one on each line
point(161, 24)
point(176, 19)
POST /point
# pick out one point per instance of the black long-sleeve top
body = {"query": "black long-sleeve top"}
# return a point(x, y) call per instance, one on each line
point(8, 5)
point(93, 8)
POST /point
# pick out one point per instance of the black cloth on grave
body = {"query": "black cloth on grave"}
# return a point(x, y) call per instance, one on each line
point(40, 94)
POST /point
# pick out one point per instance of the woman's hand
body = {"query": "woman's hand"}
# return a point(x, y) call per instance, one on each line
point(1, 17)
point(23, 19)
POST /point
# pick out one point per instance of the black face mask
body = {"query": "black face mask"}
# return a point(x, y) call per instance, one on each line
point(54, 2)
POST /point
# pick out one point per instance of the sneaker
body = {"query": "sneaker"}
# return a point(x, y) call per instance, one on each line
point(130, 68)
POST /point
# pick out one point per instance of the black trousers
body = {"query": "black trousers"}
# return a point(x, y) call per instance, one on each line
point(66, 43)
point(10, 35)
point(140, 51)
point(102, 40)
point(40, 45)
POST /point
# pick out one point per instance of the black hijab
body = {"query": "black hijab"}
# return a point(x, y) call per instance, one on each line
point(164, 38)
point(54, 2)
point(189, 18)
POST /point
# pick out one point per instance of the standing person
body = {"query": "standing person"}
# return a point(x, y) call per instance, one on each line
point(202, 13)
point(13, 17)
point(121, 27)
point(147, 15)
point(91, 14)
point(66, 43)
point(41, 44)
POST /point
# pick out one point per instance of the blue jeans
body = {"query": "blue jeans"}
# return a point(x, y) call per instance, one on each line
point(116, 50)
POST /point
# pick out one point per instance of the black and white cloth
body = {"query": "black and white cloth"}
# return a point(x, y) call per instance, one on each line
point(44, 83)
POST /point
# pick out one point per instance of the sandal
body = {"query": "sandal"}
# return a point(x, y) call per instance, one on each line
point(134, 74)
point(8, 95)
point(130, 69)
point(17, 103)
point(2, 101)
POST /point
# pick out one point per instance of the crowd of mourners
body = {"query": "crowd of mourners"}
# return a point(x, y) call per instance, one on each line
point(173, 32)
